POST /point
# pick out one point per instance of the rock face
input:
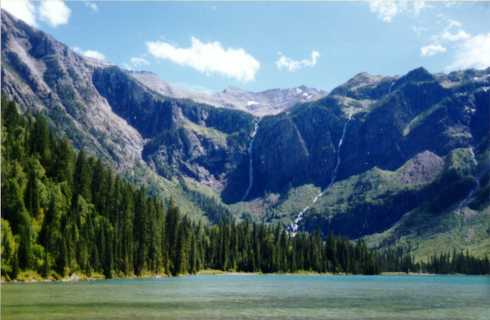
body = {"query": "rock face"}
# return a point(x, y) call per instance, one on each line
point(43, 74)
point(269, 102)
point(376, 199)
point(182, 137)
point(403, 125)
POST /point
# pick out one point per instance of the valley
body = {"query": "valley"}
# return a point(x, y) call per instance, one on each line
point(375, 158)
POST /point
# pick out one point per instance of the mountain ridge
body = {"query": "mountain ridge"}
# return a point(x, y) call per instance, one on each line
point(254, 166)
point(260, 103)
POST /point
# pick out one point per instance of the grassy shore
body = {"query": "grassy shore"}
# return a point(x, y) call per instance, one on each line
point(33, 277)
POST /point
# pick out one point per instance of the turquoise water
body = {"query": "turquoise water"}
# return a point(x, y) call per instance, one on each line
point(254, 297)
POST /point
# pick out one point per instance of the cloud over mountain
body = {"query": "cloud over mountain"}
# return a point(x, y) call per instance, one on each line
point(21, 9)
point(52, 12)
point(208, 58)
point(291, 65)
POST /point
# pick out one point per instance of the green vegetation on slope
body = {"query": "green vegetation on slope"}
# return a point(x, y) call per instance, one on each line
point(66, 212)
point(455, 217)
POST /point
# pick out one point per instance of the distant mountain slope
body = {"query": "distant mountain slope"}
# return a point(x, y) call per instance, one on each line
point(260, 104)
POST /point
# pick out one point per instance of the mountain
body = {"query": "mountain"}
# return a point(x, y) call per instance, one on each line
point(359, 161)
point(269, 102)
point(44, 75)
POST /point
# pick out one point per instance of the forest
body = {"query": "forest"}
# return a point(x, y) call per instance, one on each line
point(64, 212)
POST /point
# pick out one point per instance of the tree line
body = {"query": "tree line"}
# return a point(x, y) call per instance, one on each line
point(64, 211)
point(399, 260)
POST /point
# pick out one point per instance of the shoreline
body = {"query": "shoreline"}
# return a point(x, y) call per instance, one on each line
point(75, 277)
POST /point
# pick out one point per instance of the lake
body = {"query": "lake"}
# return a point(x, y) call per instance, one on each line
point(253, 297)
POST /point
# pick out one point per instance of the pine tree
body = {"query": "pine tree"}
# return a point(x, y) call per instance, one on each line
point(41, 140)
point(171, 225)
point(8, 249)
point(82, 178)
point(25, 244)
point(32, 201)
point(140, 232)
point(108, 263)
point(182, 249)
point(64, 162)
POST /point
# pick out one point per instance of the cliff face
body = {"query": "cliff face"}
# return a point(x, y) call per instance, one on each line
point(45, 75)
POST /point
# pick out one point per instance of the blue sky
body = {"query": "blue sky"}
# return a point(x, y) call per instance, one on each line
point(256, 46)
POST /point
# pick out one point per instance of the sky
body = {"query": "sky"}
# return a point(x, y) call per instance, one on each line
point(257, 46)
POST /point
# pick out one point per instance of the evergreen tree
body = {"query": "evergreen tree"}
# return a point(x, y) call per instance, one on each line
point(32, 201)
point(171, 225)
point(40, 142)
point(7, 250)
point(64, 162)
point(140, 232)
point(82, 178)
point(25, 242)
point(182, 249)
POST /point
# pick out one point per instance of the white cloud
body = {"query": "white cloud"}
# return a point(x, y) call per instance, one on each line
point(92, 6)
point(94, 54)
point(54, 12)
point(470, 51)
point(21, 9)
point(474, 52)
point(451, 35)
point(454, 36)
point(386, 10)
point(292, 65)
point(137, 62)
point(208, 58)
point(432, 49)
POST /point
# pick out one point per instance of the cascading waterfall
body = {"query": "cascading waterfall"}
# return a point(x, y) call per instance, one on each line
point(250, 160)
point(464, 203)
point(293, 228)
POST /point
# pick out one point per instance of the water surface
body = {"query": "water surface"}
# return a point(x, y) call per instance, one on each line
point(254, 297)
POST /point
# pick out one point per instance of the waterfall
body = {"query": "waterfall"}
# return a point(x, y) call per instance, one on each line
point(250, 160)
point(293, 228)
point(470, 194)
point(464, 203)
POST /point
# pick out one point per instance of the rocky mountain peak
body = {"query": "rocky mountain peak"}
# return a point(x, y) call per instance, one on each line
point(261, 103)
point(364, 86)
point(417, 75)
point(363, 78)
